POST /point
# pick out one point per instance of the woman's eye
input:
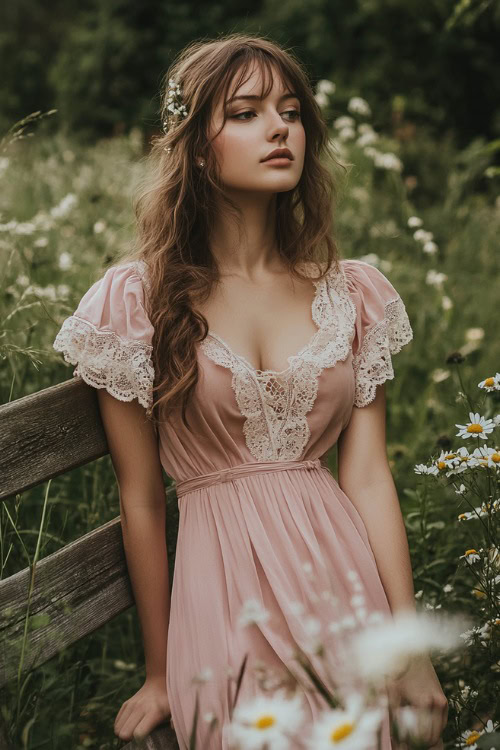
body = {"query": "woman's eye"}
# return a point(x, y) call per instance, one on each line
point(293, 112)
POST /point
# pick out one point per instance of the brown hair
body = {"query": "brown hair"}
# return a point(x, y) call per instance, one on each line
point(176, 205)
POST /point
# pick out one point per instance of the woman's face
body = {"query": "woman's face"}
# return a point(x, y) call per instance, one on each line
point(253, 129)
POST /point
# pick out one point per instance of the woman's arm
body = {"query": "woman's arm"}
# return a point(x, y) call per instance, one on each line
point(134, 452)
point(365, 477)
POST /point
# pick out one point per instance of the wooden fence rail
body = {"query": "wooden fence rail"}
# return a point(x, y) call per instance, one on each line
point(82, 586)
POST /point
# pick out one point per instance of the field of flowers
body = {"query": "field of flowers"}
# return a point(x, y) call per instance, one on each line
point(425, 214)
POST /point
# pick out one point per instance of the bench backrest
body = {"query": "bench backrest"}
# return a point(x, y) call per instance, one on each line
point(82, 586)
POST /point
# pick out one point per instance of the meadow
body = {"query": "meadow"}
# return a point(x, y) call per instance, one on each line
point(424, 212)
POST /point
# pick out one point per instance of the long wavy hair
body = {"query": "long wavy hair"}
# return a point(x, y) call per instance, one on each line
point(177, 201)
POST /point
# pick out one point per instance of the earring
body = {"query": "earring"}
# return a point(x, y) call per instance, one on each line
point(201, 163)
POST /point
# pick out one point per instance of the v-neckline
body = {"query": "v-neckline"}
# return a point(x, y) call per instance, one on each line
point(318, 283)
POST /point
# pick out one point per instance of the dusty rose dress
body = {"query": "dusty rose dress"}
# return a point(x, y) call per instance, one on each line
point(260, 516)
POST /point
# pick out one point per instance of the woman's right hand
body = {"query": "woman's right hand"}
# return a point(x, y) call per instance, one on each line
point(141, 713)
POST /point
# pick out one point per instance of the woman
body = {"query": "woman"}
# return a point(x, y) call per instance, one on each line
point(235, 349)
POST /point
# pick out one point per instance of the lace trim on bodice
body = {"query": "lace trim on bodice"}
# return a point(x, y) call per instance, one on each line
point(105, 360)
point(372, 363)
point(275, 404)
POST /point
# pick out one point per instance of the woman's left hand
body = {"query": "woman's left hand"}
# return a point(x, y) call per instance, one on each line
point(419, 687)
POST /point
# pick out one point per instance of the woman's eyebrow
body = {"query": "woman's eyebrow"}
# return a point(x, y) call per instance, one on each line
point(254, 97)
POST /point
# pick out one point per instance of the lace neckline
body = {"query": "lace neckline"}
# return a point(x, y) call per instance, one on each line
point(293, 357)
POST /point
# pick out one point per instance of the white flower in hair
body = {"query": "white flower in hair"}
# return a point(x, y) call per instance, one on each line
point(175, 105)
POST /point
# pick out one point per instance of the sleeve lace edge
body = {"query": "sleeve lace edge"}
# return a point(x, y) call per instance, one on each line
point(104, 359)
point(372, 363)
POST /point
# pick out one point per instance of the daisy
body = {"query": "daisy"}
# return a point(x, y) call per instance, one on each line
point(265, 719)
point(478, 426)
point(352, 728)
point(491, 384)
point(471, 556)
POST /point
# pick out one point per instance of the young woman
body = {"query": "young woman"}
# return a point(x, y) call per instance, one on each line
point(235, 349)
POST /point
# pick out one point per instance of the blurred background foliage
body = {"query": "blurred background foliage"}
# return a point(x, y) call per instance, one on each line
point(100, 62)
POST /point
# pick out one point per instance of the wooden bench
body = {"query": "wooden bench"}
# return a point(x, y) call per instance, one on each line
point(85, 584)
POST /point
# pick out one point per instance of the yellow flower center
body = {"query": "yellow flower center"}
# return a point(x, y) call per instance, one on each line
point(472, 738)
point(450, 455)
point(264, 722)
point(495, 457)
point(462, 515)
point(470, 552)
point(441, 465)
point(342, 731)
point(489, 381)
point(475, 428)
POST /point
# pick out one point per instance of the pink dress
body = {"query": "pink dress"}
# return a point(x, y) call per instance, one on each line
point(261, 517)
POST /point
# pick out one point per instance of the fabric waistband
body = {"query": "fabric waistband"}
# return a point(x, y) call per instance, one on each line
point(243, 470)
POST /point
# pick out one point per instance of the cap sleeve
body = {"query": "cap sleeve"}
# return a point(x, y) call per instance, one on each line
point(382, 327)
point(109, 336)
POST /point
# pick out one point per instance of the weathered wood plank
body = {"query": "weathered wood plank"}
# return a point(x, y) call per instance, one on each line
point(48, 433)
point(76, 590)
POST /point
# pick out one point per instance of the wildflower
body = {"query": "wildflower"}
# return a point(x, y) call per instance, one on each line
point(447, 588)
point(347, 134)
point(446, 302)
point(388, 161)
point(484, 456)
point(366, 138)
point(65, 261)
point(414, 221)
point(385, 649)
point(468, 739)
point(430, 247)
point(64, 206)
point(322, 99)
point(325, 86)
point(252, 613)
point(461, 490)
point(423, 469)
point(435, 278)
point(474, 334)
point(478, 426)
point(351, 728)
point(422, 236)
point(265, 719)
point(491, 384)
point(99, 227)
point(344, 122)
point(471, 556)
point(358, 105)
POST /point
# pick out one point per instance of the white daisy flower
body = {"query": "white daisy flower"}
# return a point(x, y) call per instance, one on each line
point(446, 302)
point(490, 384)
point(478, 426)
point(265, 719)
point(468, 739)
point(471, 556)
point(352, 728)
point(423, 469)
point(64, 206)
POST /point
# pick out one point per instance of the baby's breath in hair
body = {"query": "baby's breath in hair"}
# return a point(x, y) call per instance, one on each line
point(175, 105)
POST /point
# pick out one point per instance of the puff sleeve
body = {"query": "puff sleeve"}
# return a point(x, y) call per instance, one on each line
point(109, 336)
point(381, 328)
